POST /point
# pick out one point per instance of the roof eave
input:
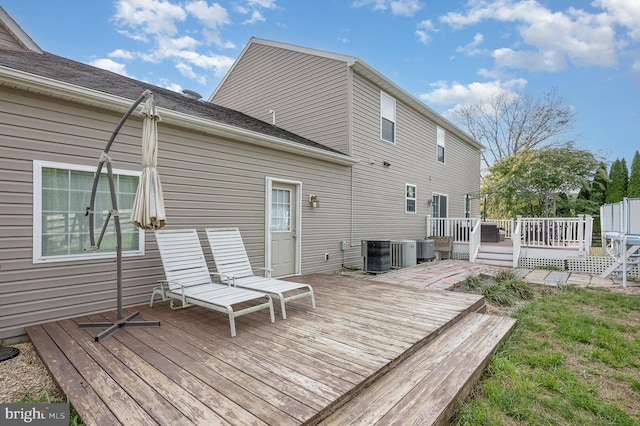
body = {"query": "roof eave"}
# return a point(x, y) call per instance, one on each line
point(62, 90)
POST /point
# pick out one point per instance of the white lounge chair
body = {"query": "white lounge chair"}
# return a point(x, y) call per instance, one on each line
point(189, 281)
point(233, 266)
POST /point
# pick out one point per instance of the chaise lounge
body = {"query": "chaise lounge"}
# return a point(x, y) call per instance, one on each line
point(232, 263)
point(189, 281)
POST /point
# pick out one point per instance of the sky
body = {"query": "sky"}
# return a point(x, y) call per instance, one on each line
point(446, 53)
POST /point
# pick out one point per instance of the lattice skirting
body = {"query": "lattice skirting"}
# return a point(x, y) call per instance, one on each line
point(461, 255)
point(595, 265)
point(536, 262)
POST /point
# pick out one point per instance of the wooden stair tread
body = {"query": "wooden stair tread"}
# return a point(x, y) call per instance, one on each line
point(425, 387)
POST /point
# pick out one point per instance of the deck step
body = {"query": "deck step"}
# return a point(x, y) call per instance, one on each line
point(507, 263)
point(495, 256)
point(425, 388)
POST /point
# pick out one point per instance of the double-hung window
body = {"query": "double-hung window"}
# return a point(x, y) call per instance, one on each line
point(440, 136)
point(410, 198)
point(61, 194)
point(387, 118)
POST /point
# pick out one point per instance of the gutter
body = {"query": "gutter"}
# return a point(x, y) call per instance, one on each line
point(49, 87)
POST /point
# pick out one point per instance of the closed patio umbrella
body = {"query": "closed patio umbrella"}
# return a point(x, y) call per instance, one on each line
point(148, 207)
point(148, 202)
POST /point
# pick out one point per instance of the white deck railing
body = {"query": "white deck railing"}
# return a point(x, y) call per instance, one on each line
point(474, 242)
point(552, 232)
point(516, 240)
point(557, 232)
point(459, 229)
point(505, 224)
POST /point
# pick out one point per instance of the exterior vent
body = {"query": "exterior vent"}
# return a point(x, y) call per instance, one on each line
point(191, 94)
point(403, 253)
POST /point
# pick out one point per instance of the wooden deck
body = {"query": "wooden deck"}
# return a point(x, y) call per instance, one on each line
point(317, 365)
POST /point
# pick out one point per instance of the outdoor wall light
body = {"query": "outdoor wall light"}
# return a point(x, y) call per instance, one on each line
point(386, 164)
point(313, 200)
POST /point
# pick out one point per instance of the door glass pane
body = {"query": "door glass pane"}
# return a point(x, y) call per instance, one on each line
point(443, 206)
point(280, 210)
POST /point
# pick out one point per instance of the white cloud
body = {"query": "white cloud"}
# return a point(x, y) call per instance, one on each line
point(213, 17)
point(219, 64)
point(423, 29)
point(635, 69)
point(265, 4)
point(551, 39)
point(149, 16)
point(256, 16)
point(405, 7)
point(531, 60)
point(121, 54)
point(455, 93)
point(471, 49)
point(187, 71)
point(376, 4)
point(110, 65)
point(171, 86)
point(398, 7)
point(625, 13)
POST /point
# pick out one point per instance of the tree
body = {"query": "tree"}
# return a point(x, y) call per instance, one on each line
point(618, 181)
point(633, 190)
point(536, 181)
point(508, 124)
point(592, 196)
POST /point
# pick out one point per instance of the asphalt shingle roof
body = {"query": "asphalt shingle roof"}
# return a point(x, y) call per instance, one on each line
point(83, 75)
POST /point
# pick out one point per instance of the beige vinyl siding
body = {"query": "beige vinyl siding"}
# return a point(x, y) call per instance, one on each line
point(379, 196)
point(7, 40)
point(308, 93)
point(206, 181)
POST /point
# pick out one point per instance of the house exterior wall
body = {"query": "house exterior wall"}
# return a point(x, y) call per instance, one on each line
point(207, 181)
point(309, 86)
point(308, 93)
point(379, 190)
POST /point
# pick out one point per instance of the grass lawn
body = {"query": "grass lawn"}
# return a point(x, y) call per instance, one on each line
point(573, 359)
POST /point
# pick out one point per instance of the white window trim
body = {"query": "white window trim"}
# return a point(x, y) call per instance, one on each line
point(37, 215)
point(440, 142)
point(395, 122)
point(407, 198)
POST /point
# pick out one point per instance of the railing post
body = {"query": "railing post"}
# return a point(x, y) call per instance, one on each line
point(581, 241)
point(428, 226)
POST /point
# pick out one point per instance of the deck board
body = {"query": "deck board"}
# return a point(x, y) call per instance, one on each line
point(293, 371)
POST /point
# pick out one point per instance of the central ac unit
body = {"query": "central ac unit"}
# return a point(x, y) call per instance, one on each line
point(403, 253)
point(425, 250)
point(377, 255)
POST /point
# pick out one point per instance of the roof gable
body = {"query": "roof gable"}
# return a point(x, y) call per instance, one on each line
point(369, 73)
point(15, 37)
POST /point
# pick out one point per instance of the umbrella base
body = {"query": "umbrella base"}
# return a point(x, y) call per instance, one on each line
point(112, 327)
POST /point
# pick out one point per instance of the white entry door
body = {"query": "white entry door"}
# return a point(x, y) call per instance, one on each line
point(283, 216)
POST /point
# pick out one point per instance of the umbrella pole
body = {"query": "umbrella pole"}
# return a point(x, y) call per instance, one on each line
point(112, 327)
